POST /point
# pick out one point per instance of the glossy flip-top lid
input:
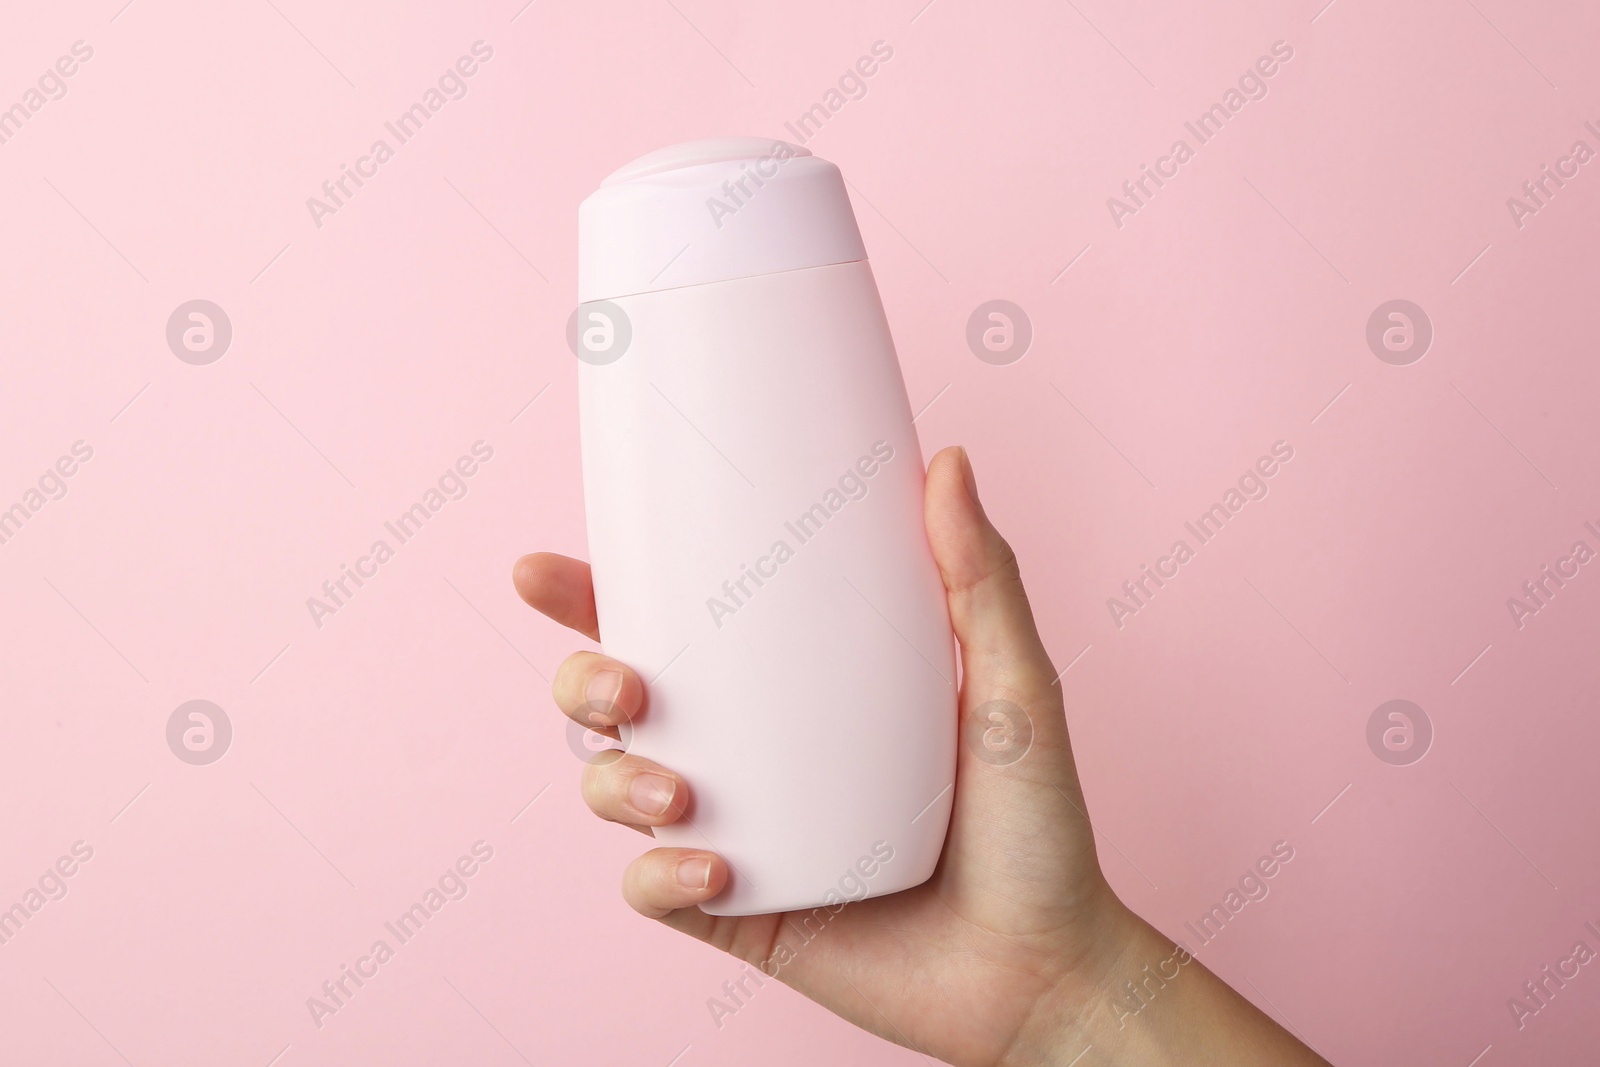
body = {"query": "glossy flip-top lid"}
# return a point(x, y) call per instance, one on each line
point(712, 211)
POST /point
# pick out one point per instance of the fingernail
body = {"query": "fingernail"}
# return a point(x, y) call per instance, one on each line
point(602, 694)
point(652, 793)
point(968, 478)
point(694, 873)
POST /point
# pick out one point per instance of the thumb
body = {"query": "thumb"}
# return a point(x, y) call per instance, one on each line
point(1002, 656)
point(1019, 832)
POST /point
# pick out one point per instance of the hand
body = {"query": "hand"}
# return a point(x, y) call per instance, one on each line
point(1016, 950)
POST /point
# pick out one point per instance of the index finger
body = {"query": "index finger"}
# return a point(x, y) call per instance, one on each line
point(559, 587)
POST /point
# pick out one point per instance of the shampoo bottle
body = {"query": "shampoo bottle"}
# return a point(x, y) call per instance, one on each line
point(754, 494)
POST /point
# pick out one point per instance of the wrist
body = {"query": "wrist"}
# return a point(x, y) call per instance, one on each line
point(1081, 1008)
point(1153, 1004)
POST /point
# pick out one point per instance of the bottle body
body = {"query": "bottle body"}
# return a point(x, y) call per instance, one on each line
point(754, 492)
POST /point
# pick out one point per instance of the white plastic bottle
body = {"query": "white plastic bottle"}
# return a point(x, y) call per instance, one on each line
point(754, 488)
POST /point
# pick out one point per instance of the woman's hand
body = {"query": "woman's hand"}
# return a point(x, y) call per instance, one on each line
point(1016, 950)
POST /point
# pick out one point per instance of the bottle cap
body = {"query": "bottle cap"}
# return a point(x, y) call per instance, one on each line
point(712, 211)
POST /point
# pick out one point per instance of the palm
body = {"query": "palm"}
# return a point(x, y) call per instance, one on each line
point(895, 965)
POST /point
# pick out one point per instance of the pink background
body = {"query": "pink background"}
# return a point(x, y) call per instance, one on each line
point(370, 753)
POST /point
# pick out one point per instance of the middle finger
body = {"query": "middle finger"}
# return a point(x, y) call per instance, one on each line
point(634, 791)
